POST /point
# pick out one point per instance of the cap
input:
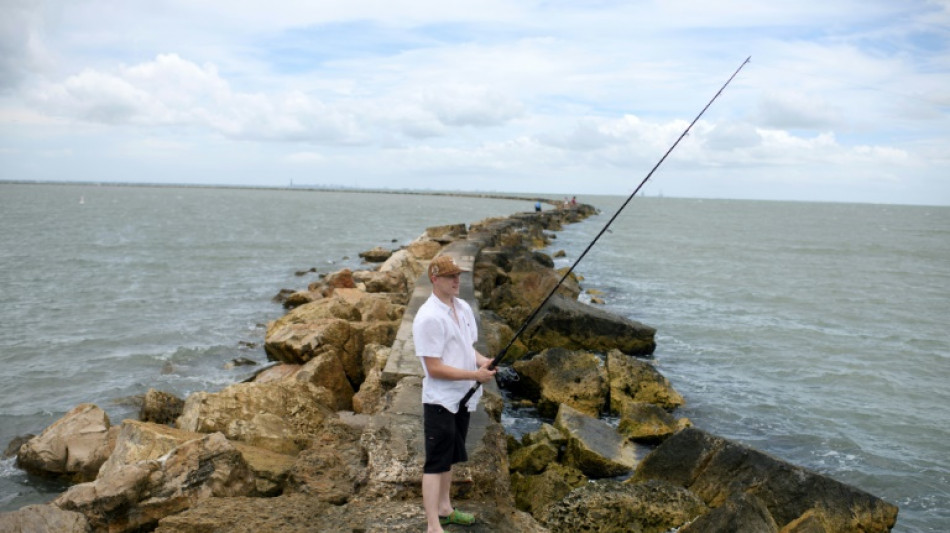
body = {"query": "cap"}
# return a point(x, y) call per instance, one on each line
point(444, 265)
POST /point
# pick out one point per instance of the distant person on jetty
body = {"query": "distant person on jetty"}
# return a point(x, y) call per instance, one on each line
point(444, 332)
point(537, 206)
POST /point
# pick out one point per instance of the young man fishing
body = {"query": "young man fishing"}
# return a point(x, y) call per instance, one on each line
point(444, 333)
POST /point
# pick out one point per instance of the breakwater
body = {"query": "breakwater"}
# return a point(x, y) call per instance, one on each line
point(336, 336)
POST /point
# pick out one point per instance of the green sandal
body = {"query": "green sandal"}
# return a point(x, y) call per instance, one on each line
point(457, 517)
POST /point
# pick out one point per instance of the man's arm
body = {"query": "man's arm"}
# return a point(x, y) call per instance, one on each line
point(481, 360)
point(437, 369)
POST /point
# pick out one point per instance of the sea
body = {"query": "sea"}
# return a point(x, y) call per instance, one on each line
point(815, 332)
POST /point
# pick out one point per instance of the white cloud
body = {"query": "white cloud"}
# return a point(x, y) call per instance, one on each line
point(530, 96)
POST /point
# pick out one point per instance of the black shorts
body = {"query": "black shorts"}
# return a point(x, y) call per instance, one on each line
point(445, 434)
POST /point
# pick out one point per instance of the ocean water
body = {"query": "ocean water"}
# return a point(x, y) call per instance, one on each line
point(814, 332)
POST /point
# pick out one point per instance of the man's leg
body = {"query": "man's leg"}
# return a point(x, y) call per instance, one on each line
point(431, 499)
point(445, 486)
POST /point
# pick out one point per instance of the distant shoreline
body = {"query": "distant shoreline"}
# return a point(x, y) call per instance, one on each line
point(461, 194)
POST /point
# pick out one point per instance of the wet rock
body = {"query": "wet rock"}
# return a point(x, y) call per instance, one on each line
point(557, 376)
point(570, 324)
point(533, 458)
point(612, 506)
point(741, 512)
point(633, 379)
point(536, 493)
point(593, 446)
point(717, 470)
point(13, 448)
point(161, 407)
point(75, 446)
point(43, 519)
point(648, 423)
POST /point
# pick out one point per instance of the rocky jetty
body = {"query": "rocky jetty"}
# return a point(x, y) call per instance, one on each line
point(329, 438)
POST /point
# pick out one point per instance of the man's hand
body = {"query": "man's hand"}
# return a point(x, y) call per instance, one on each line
point(483, 374)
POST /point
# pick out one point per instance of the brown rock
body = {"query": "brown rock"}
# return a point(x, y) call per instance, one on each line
point(75, 446)
point(612, 506)
point(718, 470)
point(280, 416)
point(43, 519)
point(376, 255)
point(593, 446)
point(557, 376)
point(633, 379)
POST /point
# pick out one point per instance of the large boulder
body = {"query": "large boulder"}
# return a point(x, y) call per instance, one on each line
point(648, 423)
point(594, 447)
point(558, 376)
point(326, 371)
point(376, 255)
point(143, 441)
point(43, 519)
point(616, 507)
point(404, 262)
point(333, 467)
point(374, 281)
point(134, 497)
point(279, 416)
point(567, 323)
point(536, 492)
point(633, 379)
point(75, 446)
point(719, 471)
point(296, 343)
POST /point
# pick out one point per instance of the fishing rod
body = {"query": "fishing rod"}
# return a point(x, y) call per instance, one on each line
point(534, 314)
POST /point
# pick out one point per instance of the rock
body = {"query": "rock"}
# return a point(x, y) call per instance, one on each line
point(424, 249)
point(134, 497)
point(558, 376)
point(277, 372)
point(326, 371)
point(546, 433)
point(376, 255)
point(161, 407)
point(342, 279)
point(535, 493)
point(593, 446)
point(612, 506)
point(75, 446)
point(446, 234)
point(43, 519)
point(386, 282)
point(369, 398)
point(143, 441)
point(717, 470)
point(632, 379)
point(333, 467)
point(240, 361)
point(573, 325)
point(648, 423)
point(13, 448)
point(279, 416)
point(533, 458)
point(297, 298)
point(741, 512)
point(405, 263)
point(300, 513)
point(297, 343)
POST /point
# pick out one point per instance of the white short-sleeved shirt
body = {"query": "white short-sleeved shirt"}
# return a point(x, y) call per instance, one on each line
point(435, 334)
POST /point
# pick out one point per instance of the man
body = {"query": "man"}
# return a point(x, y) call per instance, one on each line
point(444, 333)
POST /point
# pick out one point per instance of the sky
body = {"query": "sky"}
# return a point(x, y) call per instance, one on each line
point(842, 101)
